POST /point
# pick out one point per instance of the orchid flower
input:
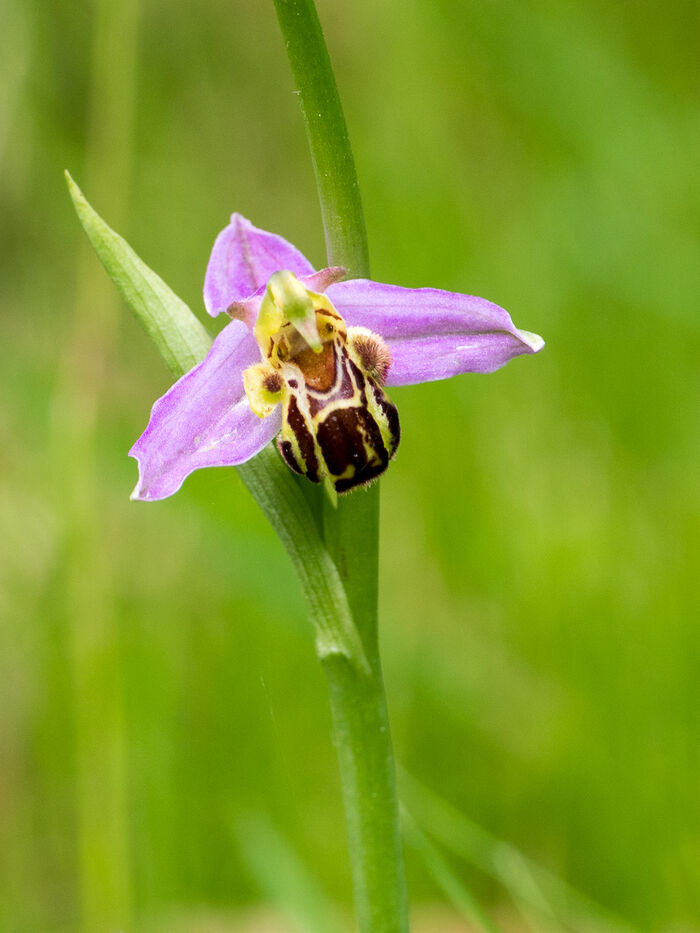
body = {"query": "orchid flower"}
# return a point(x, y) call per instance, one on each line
point(305, 358)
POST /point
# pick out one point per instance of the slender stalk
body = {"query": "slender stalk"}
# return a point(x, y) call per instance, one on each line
point(351, 529)
point(327, 132)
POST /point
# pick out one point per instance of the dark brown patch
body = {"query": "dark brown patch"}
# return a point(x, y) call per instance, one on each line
point(292, 383)
point(347, 387)
point(296, 422)
point(374, 436)
point(318, 368)
point(272, 383)
point(359, 379)
point(316, 404)
point(362, 478)
point(287, 451)
point(341, 438)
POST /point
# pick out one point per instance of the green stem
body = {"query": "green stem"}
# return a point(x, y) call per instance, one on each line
point(361, 724)
point(351, 529)
point(336, 179)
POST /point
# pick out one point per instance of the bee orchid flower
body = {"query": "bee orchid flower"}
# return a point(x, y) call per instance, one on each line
point(305, 358)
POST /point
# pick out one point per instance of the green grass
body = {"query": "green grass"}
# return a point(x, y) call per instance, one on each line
point(542, 665)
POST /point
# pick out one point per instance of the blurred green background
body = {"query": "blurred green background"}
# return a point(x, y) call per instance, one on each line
point(165, 760)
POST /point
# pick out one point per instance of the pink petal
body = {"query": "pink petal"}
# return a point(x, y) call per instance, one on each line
point(243, 259)
point(433, 334)
point(204, 419)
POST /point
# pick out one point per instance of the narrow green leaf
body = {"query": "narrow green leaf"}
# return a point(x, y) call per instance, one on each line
point(179, 337)
point(444, 876)
point(183, 342)
point(533, 888)
point(282, 876)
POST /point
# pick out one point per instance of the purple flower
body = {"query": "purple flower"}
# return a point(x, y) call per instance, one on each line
point(340, 412)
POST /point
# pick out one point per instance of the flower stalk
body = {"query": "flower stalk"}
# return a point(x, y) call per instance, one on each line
point(327, 132)
point(351, 525)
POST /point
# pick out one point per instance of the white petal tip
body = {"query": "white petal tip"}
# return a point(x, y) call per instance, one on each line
point(533, 341)
point(138, 494)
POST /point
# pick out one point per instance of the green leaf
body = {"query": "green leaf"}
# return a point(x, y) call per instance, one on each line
point(452, 886)
point(537, 892)
point(183, 342)
point(282, 876)
point(179, 337)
